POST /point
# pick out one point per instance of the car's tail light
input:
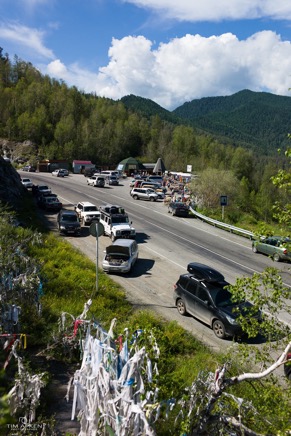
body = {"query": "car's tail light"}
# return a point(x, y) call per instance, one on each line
point(285, 251)
point(175, 286)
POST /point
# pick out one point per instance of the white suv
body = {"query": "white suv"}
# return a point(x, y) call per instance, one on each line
point(87, 212)
point(116, 222)
point(96, 180)
point(144, 194)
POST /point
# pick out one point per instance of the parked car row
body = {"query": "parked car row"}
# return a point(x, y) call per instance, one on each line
point(29, 168)
point(45, 199)
point(151, 188)
point(100, 179)
point(119, 257)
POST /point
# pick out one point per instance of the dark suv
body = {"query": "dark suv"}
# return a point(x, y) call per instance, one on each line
point(178, 209)
point(68, 222)
point(202, 293)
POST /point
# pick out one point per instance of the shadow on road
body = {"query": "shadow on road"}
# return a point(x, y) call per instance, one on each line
point(142, 267)
point(142, 238)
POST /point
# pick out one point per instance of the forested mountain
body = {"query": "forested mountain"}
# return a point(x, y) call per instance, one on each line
point(61, 122)
point(148, 108)
point(258, 120)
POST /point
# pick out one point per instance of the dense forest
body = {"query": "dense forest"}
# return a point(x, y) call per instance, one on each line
point(256, 120)
point(65, 123)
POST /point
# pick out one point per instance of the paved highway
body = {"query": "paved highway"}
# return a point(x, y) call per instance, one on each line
point(166, 245)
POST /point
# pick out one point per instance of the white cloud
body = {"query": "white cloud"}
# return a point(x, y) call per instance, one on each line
point(57, 69)
point(216, 10)
point(73, 75)
point(186, 68)
point(31, 39)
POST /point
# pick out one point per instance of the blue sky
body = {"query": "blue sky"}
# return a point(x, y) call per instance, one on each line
point(170, 51)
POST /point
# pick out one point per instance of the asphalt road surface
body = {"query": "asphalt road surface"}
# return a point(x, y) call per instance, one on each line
point(166, 245)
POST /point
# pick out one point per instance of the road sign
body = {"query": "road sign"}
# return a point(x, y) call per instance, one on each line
point(96, 229)
point(223, 200)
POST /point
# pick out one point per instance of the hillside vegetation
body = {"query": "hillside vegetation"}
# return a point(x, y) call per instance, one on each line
point(148, 108)
point(256, 120)
point(259, 121)
point(61, 122)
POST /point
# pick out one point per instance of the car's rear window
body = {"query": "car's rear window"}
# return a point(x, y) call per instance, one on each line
point(183, 281)
point(90, 209)
point(119, 219)
point(70, 218)
point(220, 295)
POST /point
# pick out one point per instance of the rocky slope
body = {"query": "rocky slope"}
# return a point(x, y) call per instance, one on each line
point(11, 188)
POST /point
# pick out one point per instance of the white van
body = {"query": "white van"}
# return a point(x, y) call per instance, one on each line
point(120, 256)
point(108, 173)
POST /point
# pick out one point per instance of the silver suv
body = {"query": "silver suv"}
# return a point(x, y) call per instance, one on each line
point(144, 194)
point(96, 180)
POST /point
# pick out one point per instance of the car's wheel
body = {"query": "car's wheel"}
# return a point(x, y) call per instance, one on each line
point(276, 257)
point(112, 237)
point(181, 307)
point(135, 197)
point(152, 199)
point(254, 248)
point(219, 329)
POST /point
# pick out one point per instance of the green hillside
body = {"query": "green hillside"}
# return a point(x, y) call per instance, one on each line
point(237, 136)
point(148, 108)
point(258, 120)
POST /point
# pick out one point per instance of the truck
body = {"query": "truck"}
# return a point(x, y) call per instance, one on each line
point(116, 222)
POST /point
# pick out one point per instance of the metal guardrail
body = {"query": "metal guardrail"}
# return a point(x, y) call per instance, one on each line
point(219, 224)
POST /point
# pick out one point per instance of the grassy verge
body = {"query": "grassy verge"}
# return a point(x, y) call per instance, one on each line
point(245, 221)
point(69, 281)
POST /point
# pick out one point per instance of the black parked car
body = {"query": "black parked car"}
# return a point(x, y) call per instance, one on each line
point(177, 208)
point(39, 190)
point(203, 294)
point(68, 222)
point(49, 203)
